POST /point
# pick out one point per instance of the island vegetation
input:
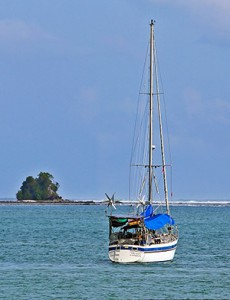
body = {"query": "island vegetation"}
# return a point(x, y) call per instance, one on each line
point(41, 188)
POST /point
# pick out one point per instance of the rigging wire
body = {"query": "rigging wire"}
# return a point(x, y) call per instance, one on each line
point(166, 126)
point(136, 136)
point(139, 180)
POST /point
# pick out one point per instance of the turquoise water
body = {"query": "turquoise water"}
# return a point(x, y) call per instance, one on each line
point(60, 252)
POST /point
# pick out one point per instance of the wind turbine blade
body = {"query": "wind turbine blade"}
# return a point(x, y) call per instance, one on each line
point(108, 197)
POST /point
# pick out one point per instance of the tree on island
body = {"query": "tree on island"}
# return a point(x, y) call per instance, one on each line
point(41, 188)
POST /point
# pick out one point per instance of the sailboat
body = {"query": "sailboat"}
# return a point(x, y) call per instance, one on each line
point(148, 234)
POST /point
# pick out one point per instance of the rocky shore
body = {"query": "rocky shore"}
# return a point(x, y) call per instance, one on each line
point(43, 202)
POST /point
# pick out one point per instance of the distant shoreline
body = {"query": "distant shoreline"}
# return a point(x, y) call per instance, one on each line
point(92, 202)
point(64, 202)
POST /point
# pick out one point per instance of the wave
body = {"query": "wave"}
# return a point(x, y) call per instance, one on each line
point(201, 203)
point(185, 203)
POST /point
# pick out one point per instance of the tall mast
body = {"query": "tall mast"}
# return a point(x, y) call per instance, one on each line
point(153, 64)
point(161, 134)
point(151, 109)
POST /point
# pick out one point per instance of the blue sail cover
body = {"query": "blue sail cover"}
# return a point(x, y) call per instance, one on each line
point(158, 221)
point(148, 211)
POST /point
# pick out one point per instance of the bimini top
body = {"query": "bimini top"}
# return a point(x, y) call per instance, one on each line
point(158, 221)
point(152, 221)
point(121, 220)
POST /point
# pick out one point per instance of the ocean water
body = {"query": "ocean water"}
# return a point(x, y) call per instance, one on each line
point(60, 252)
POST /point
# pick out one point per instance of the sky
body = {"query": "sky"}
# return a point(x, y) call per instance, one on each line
point(70, 73)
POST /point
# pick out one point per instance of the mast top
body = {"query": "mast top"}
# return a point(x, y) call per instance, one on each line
point(152, 22)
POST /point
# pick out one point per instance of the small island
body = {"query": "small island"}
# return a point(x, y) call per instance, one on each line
point(41, 188)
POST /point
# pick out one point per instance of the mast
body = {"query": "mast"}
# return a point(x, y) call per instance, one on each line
point(153, 64)
point(161, 135)
point(151, 110)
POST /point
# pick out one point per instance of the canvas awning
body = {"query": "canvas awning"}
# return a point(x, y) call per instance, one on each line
point(158, 221)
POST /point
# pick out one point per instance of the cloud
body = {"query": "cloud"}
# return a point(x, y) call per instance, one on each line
point(198, 108)
point(18, 30)
point(18, 37)
point(202, 123)
point(215, 8)
point(213, 15)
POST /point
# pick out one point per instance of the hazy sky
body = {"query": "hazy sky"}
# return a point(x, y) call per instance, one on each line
point(70, 73)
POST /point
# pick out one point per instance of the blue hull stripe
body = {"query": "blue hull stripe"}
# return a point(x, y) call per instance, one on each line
point(142, 249)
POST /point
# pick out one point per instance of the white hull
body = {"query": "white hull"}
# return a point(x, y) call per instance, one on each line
point(142, 254)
